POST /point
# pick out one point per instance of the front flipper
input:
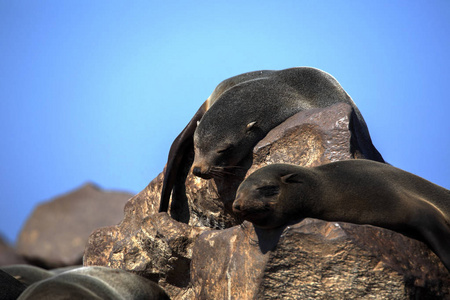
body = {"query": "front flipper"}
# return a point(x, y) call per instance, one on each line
point(177, 162)
point(361, 138)
point(437, 235)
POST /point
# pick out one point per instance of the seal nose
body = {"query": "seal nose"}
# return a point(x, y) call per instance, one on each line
point(203, 173)
point(197, 171)
point(236, 206)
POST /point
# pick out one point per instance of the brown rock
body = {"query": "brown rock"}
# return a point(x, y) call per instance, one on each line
point(56, 233)
point(227, 264)
point(314, 259)
point(159, 248)
point(311, 259)
point(310, 138)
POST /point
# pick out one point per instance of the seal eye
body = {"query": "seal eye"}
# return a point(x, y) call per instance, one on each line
point(292, 178)
point(269, 190)
point(227, 149)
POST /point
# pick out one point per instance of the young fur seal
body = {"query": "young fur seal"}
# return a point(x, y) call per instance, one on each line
point(355, 191)
point(239, 113)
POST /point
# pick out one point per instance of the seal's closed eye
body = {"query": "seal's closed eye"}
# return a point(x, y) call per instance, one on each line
point(226, 149)
point(269, 190)
point(292, 178)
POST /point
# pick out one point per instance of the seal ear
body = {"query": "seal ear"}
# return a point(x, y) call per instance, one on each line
point(251, 125)
point(291, 178)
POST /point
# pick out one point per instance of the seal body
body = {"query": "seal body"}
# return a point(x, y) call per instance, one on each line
point(93, 282)
point(355, 191)
point(245, 113)
point(240, 112)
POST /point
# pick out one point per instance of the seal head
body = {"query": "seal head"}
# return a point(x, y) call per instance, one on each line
point(240, 118)
point(265, 197)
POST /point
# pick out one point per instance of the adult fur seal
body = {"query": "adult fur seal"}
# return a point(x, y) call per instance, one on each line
point(179, 162)
point(239, 113)
point(355, 191)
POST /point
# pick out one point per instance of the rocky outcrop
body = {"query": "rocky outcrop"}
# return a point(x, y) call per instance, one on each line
point(309, 259)
point(314, 259)
point(161, 250)
point(56, 233)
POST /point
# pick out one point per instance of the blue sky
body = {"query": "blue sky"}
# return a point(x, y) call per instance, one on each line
point(97, 90)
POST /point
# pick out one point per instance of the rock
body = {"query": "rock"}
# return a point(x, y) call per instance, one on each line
point(232, 263)
point(315, 259)
point(56, 233)
point(310, 138)
point(9, 255)
point(311, 259)
point(160, 250)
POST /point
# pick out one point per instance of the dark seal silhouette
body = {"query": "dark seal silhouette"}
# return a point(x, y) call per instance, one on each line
point(355, 191)
point(10, 287)
point(238, 114)
point(87, 283)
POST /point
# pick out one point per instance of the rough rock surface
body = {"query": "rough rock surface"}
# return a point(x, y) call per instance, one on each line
point(56, 233)
point(161, 250)
point(313, 259)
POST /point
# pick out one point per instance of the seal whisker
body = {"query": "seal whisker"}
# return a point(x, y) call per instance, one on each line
point(234, 167)
point(219, 171)
point(216, 173)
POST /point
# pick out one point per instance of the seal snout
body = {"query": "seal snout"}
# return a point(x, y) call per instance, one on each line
point(197, 171)
point(241, 210)
point(237, 206)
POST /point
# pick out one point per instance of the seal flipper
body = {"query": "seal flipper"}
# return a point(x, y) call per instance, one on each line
point(183, 143)
point(437, 236)
point(361, 138)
